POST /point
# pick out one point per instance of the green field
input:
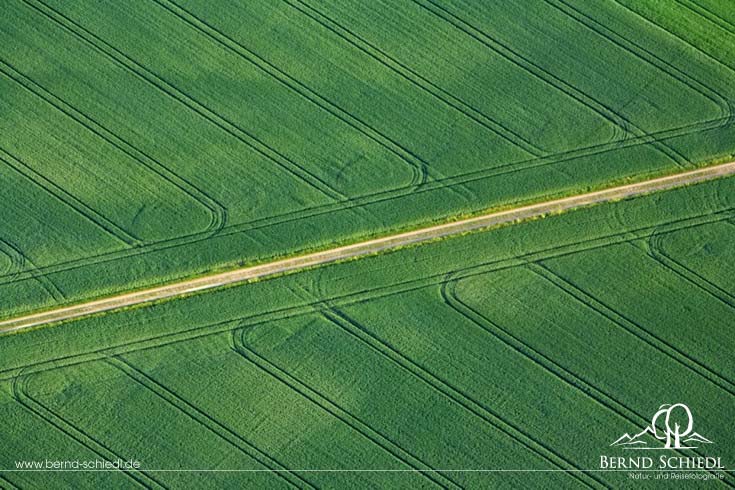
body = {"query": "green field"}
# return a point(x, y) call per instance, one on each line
point(530, 346)
point(150, 140)
point(147, 141)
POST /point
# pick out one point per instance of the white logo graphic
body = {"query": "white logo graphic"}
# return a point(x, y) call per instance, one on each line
point(673, 424)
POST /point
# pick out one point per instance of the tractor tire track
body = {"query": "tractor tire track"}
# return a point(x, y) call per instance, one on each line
point(121, 59)
point(535, 70)
point(598, 149)
point(416, 79)
point(419, 166)
point(10, 484)
point(108, 55)
point(160, 242)
point(708, 14)
point(17, 260)
point(454, 394)
point(334, 410)
point(654, 249)
point(368, 294)
point(315, 211)
point(633, 328)
point(217, 212)
point(209, 423)
point(27, 172)
point(170, 244)
point(680, 39)
point(631, 47)
point(364, 248)
point(10, 269)
point(594, 243)
point(69, 430)
point(621, 126)
point(451, 299)
point(22, 262)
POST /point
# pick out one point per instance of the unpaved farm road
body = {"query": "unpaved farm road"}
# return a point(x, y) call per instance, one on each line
point(367, 247)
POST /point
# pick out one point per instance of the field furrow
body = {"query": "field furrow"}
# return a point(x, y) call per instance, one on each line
point(724, 105)
point(218, 213)
point(293, 431)
point(433, 397)
point(694, 30)
point(67, 199)
point(104, 174)
point(709, 14)
point(10, 485)
point(558, 342)
point(64, 394)
point(22, 446)
point(695, 254)
point(654, 248)
point(255, 119)
point(523, 348)
point(261, 155)
point(170, 90)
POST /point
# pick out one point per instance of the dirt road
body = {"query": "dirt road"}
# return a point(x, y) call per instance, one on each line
point(187, 286)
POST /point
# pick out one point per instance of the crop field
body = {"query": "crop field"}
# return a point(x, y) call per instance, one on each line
point(529, 346)
point(150, 140)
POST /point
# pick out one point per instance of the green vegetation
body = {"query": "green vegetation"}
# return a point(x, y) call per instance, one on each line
point(686, 253)
point(149, 140)
point(529, 346)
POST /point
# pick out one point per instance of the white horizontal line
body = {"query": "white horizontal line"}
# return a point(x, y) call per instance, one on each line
point(375, 471)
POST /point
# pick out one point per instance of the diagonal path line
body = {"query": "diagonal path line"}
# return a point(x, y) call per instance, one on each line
point(364, 248)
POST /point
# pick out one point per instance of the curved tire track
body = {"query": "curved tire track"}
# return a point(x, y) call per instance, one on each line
point(291, 216)
point(27, 172)
point(321, 210)
point(415, 78)
point(334, 410)
point(217, 212)
point(364, 248)
point(369, 293)
point(681, 39)
point(627, 126)
point(22, 262)
point(448, 292)
point(456, 395)
point(69, 430)
point(654, 248)
point(419, 166)
point(724, 105)
point(121, 59)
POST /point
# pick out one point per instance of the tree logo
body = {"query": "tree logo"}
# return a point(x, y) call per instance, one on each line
point(671, 423)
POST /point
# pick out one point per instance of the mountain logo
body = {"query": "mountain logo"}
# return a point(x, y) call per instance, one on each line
point(671, 423)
